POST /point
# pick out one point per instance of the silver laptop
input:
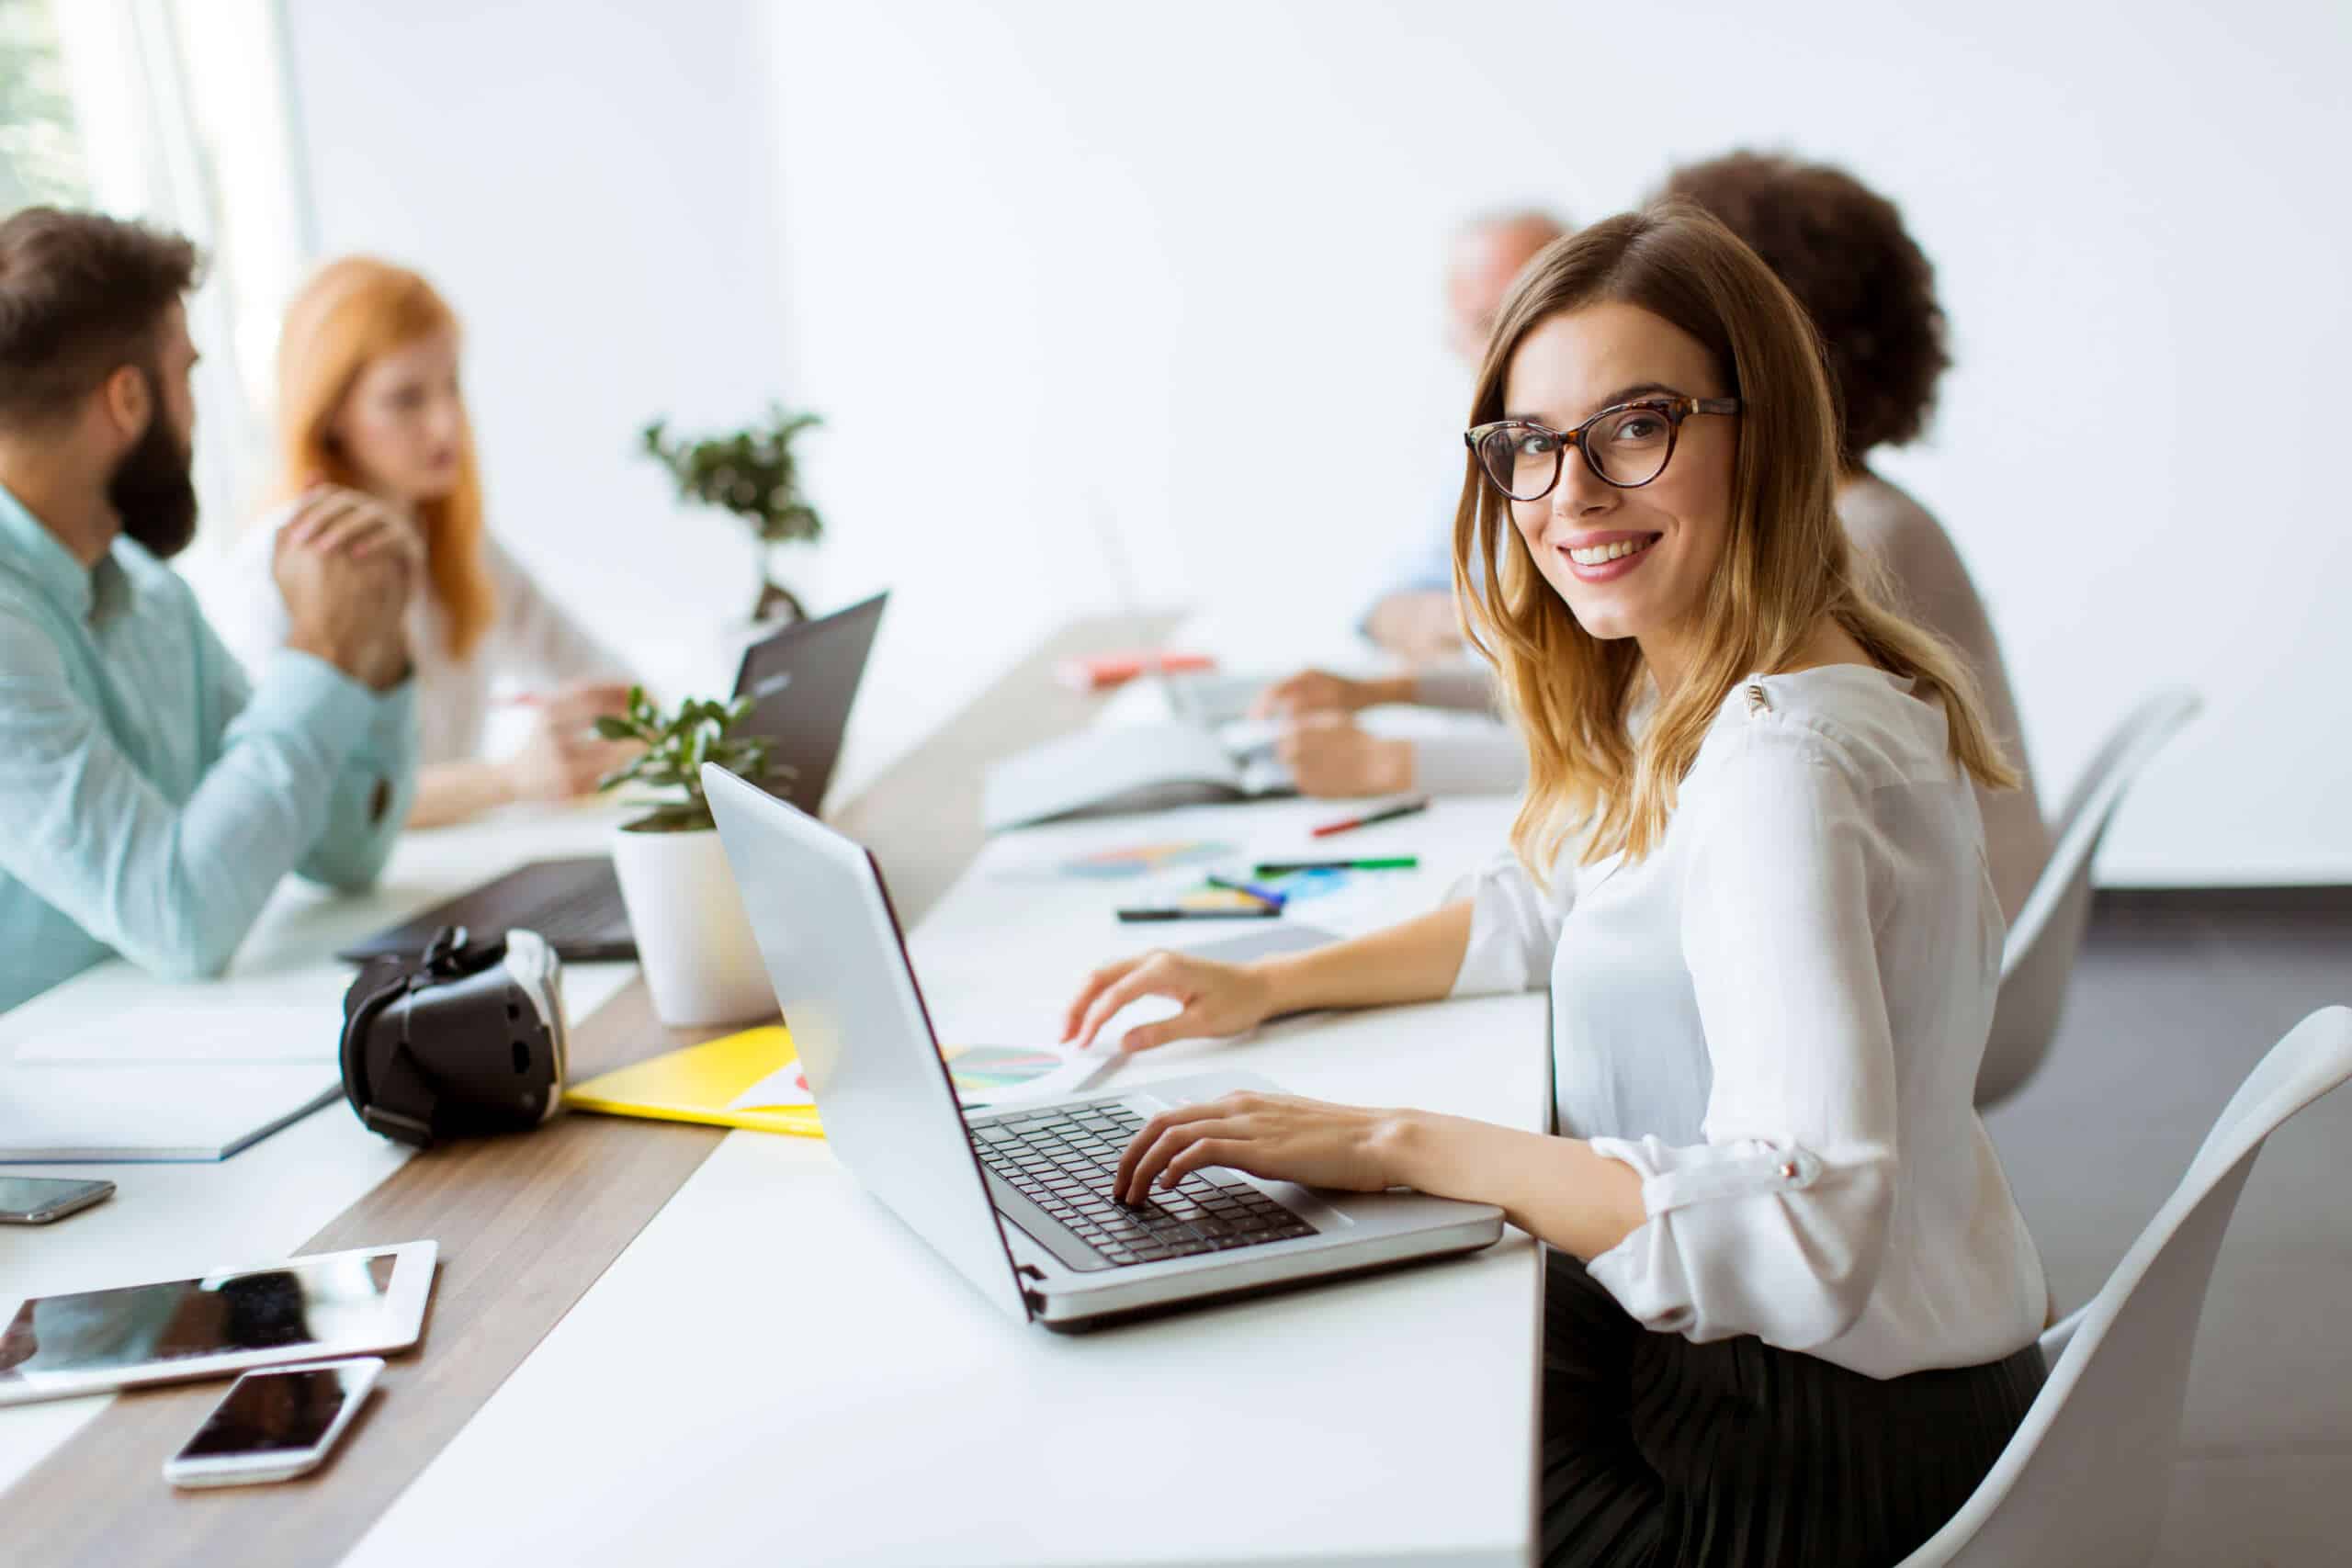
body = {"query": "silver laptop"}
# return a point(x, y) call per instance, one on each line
point(1019, 1200)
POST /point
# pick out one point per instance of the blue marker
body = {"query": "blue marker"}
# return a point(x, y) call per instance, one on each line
point(1266, 896)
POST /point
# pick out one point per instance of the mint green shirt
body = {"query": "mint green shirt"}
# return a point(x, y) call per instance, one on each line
point(151, 795)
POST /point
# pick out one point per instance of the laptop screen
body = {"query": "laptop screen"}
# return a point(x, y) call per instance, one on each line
point(802, 681)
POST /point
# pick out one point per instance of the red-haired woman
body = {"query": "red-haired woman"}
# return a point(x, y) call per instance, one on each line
point(371, 419)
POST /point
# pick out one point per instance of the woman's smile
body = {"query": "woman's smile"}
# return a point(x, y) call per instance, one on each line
point(1604, 558)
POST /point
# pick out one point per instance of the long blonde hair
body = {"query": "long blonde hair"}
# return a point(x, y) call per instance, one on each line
point(350, 312)
point(1786, 563)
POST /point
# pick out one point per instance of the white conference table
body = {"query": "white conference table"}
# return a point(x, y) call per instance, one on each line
point(775, 1369)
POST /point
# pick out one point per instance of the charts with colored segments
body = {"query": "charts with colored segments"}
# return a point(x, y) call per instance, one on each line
point(981, 1071)
point(1293, 886)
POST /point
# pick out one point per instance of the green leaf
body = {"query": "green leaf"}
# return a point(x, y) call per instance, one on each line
point(751, 472)
point(677, 744)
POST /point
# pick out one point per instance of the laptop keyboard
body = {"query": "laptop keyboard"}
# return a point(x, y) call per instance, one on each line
point(1065, 1159)
point(579, 916)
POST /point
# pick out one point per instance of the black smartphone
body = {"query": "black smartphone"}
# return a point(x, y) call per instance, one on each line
point(37, 1200)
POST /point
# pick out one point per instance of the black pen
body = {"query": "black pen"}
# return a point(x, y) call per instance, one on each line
point(1258, 912)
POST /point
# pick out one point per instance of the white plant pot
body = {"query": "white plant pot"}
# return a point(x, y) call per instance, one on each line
point(692, 940)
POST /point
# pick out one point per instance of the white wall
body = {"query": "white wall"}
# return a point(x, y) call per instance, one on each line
point(1043, 263)
point(1113, 249)
point(592, 187)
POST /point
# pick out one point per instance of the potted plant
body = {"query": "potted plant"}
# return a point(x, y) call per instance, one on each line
point(753, 473)
point(692, 940)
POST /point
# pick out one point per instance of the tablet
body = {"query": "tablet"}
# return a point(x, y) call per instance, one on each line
point(304, 1309)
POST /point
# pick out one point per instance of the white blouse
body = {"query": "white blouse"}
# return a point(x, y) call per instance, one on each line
point(531, 638)
point(1776, 1019)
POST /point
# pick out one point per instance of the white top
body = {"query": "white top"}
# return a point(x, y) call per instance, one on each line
point(530, 638)
point(1921, 573)
point(1777, 1018)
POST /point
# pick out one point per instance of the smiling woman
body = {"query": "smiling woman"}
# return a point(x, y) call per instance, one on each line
point(1792, 1306)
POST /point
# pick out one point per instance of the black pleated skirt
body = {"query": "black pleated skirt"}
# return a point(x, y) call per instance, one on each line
point(1660, 1453)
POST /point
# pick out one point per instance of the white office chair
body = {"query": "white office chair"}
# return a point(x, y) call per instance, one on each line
point(2083, 1482)
point(2038, 957)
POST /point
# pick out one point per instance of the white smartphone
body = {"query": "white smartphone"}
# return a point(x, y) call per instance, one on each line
point(274, 1425)
point(37, 1200)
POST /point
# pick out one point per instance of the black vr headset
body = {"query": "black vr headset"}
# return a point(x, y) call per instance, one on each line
point(465, 1040)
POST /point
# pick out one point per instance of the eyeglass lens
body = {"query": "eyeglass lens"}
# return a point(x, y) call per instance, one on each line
point(1627, 447)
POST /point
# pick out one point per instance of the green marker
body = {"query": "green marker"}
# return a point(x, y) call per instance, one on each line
point(1387, 862)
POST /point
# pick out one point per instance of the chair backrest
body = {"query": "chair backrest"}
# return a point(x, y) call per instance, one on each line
point(2038, 957)
point(2084, 1481)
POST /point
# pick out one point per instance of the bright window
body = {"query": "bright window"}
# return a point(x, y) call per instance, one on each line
point(175, 112)
point(40, 152)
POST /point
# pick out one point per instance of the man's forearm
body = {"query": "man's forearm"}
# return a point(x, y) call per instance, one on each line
point(372, 801)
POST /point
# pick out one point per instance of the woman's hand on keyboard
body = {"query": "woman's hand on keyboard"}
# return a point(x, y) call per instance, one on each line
point(1277, 1137)
point(1217, 999)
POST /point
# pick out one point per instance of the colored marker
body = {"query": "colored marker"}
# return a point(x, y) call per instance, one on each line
point(1256, 912)
point(1272, 901)
point(1384, 863)
point(1387, 814)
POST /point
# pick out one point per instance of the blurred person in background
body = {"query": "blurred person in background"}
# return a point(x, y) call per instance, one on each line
point(371, 418)
point(154, 796)
point(1842, 250)
point(1415, 617)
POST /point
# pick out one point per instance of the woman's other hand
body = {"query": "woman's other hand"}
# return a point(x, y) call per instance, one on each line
point(1217, 999)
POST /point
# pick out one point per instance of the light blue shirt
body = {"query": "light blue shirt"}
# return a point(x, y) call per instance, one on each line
point(151, 796)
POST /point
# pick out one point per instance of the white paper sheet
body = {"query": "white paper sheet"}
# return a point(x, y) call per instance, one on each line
point(188, 1033)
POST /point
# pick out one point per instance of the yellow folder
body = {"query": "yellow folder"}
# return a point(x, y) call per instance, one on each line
point(698, 1083)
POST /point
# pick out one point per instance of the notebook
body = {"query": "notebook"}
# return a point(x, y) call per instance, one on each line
point(1130, 768)
point(92, 1114)
point(708, 1083)
point(752, 1080)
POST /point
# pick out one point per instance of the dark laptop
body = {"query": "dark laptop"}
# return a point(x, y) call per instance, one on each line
point(802, 681)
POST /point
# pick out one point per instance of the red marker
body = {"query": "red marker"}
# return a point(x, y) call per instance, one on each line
point(1387, 814)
